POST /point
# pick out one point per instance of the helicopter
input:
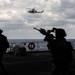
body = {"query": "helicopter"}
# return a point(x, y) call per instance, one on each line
point(34, 11)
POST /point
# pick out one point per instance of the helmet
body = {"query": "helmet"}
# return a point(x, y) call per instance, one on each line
point(60, 32)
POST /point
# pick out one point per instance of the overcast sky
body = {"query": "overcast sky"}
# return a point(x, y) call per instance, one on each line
point(17, 23)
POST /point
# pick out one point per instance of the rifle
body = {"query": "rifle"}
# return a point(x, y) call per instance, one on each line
point(47, 33)
point(36, 29)
point(41, 30)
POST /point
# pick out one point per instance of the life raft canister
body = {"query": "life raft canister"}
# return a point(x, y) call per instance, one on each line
point(31, 45)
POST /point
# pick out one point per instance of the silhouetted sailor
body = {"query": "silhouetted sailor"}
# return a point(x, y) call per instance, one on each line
point(60, 48)
point(4, 44)
point(62, 53)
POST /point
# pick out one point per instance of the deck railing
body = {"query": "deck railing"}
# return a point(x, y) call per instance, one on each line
point(39, 46)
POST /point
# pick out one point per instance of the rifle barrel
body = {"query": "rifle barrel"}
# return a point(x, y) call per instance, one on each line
point(36, 29)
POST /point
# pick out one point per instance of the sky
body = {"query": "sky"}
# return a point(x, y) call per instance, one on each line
point(17, 23)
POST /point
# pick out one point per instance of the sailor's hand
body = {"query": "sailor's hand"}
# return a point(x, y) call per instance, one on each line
point(54, 29)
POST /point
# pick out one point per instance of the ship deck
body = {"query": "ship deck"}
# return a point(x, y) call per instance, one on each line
point(35, 63)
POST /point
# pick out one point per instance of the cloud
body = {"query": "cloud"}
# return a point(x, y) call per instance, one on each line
point(15, 19)
point(67, 3)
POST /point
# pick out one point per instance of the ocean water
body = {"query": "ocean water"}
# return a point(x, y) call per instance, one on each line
point(72, 42)
point(40, 45)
